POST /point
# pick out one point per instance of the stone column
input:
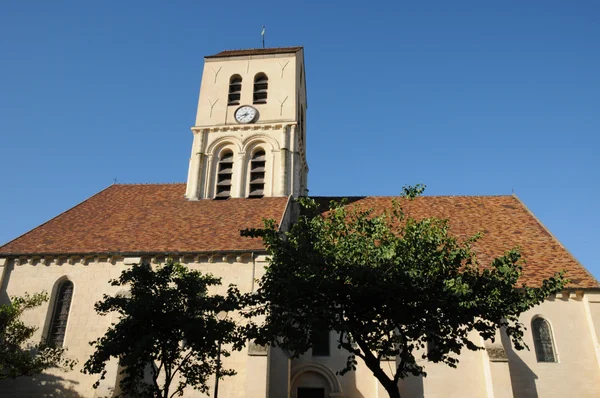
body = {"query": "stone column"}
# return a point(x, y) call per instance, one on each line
point(194, 168)
point(590, 321)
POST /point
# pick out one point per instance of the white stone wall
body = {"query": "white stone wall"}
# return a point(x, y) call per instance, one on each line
point(84, 325)
point(282, 72)
point(574, 319)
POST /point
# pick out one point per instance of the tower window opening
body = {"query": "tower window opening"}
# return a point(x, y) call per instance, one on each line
point(60, 316)
point(257, 174)
point(261, 86)
point(542, 340)
point(224, 175)
point(235, 90)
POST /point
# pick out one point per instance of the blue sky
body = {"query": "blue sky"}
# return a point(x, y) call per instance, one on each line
point(468, 97)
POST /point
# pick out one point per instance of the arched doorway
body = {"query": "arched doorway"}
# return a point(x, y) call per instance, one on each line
point(314, 380)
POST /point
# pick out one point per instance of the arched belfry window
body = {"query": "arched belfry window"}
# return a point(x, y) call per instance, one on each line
point(224, 175)
point(60, 316)
point(542, 340)
point(261, 86)
point(235, 90)
point(257, 174)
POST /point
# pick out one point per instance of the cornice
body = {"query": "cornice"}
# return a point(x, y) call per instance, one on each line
point(244, 256)
point(243, 127)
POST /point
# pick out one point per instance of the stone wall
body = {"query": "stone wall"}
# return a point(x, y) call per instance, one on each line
point(91, 282)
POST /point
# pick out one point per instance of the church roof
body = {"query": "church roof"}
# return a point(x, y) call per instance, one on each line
point(505, 222)
point(255, 51)
point(154, 218)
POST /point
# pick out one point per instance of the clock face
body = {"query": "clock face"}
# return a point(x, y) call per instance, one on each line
point(245, 114)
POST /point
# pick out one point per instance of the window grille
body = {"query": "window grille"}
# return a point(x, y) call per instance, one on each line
point(58, 326)
point(235, 90)
point(224, 175)
point(542, 340)
point(257, 174)
point(261, 86)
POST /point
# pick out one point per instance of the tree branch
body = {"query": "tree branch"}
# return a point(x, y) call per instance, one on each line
point(185, 359)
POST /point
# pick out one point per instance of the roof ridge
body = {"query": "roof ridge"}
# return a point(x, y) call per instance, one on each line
point(55, 217)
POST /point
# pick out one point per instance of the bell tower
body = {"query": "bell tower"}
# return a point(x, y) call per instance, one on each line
point(250, 132)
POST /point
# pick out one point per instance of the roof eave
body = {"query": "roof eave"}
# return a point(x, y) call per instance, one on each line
point(130, 253)
point(254, 52)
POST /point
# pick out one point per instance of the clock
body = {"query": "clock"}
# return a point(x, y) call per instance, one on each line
point(246, 114)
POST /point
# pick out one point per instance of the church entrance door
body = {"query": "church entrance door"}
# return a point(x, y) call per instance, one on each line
point(308, 392)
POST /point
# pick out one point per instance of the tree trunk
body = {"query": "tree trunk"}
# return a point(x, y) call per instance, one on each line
point(393, 390)
point(387, 383)
point(374, 365)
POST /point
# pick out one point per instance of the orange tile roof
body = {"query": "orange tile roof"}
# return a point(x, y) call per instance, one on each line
point(156, 218)
point(153, 218)
point(255, 51)
point(505, 222)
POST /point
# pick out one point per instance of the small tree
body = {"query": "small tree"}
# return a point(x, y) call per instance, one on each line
point(168, 329)
point(387, 284)
point(18, 355)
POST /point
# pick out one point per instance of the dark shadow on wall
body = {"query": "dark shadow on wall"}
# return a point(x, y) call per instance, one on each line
point(42, 385)
point(323, 201)
point(522, 378)
point(4, 299)
point(412, 387)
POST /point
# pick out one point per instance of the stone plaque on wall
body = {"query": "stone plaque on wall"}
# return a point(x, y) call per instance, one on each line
point(497, 354)
point(256, 349)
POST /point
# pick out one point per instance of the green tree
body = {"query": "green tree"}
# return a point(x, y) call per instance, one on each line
point(169, 328)
point(387, 284)
point(18, 355)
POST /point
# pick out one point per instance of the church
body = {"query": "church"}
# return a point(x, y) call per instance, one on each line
point(248, 162)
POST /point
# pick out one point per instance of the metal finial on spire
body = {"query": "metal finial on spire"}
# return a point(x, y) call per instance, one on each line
point(263, 36)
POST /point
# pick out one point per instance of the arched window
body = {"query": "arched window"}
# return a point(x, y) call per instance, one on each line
point(261, 85)
point(224, 175)
point(235, 90)
point(62, 304)
point(257, 174)
point(542, 340)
